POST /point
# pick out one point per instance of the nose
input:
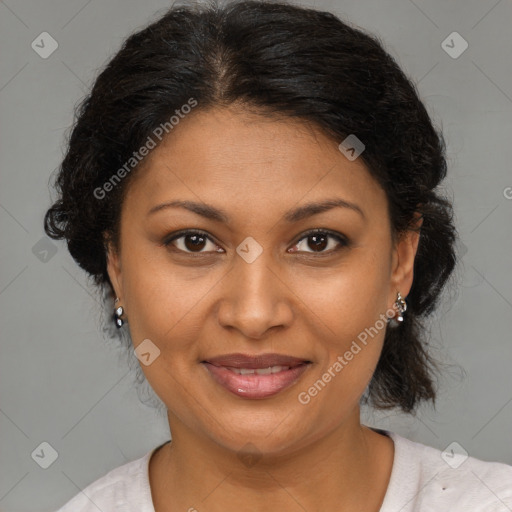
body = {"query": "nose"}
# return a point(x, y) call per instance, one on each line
point(255, 298)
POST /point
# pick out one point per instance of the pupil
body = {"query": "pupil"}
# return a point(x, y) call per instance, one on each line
point(198, 242)
point(319, 244)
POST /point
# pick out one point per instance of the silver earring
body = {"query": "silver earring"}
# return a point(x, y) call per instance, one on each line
point(118, 312)
point(401, 307)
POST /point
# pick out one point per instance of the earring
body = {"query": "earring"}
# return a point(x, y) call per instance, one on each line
point(118, 312)
point(401, 306)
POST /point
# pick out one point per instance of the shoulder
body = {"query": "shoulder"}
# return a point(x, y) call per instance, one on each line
point(124, 488)
point(425, 478)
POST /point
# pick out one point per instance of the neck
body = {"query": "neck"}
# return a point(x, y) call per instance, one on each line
point(348, 469)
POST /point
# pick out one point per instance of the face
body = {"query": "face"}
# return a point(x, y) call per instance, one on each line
point(253, 280)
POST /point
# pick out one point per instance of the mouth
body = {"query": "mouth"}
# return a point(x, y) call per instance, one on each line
point(256, 377)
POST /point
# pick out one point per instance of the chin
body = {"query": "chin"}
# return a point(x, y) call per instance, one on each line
point(272, 433)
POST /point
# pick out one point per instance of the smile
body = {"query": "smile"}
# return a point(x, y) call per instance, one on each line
point(256, 377)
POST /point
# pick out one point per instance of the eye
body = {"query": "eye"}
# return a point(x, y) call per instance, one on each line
point(320, 239)
point(195, 241)
point(191, 241)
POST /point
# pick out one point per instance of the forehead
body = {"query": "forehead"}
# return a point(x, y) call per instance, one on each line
point(230, 156)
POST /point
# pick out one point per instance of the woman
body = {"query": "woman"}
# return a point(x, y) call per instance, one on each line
point(256, 187)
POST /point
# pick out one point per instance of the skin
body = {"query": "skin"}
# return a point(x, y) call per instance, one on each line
point(291, 300)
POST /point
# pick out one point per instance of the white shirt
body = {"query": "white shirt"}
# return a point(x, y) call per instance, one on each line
point(421, 481)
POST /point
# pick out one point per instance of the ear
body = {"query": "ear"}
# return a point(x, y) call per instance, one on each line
point(113, 266)
point(404, 255)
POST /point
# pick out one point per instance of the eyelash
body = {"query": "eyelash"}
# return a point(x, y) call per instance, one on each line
point(341, 239)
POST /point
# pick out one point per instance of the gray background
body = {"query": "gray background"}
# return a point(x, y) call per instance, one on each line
point(61, 383)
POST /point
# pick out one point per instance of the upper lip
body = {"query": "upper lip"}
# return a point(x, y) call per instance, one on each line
point(255, 361)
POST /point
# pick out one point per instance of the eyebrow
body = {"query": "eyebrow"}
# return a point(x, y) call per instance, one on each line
point(295, 215)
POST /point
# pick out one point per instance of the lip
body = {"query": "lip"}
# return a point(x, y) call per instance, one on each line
point(223, 369)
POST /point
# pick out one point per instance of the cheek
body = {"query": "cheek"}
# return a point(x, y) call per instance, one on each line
point(164, 302)
point(167, 308)
point(350, 298)
point(349, 324)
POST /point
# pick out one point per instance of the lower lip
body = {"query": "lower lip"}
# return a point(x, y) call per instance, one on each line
point(254, 385)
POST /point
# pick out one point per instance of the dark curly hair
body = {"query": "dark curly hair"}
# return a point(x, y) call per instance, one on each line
point(276, 59)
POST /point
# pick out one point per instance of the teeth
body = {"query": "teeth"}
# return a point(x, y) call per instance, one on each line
point(264, 371)
point(259, 371)
point(277, 369)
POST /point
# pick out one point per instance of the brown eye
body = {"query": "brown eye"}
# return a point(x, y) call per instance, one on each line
point(192, 242)
point(317, 241)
